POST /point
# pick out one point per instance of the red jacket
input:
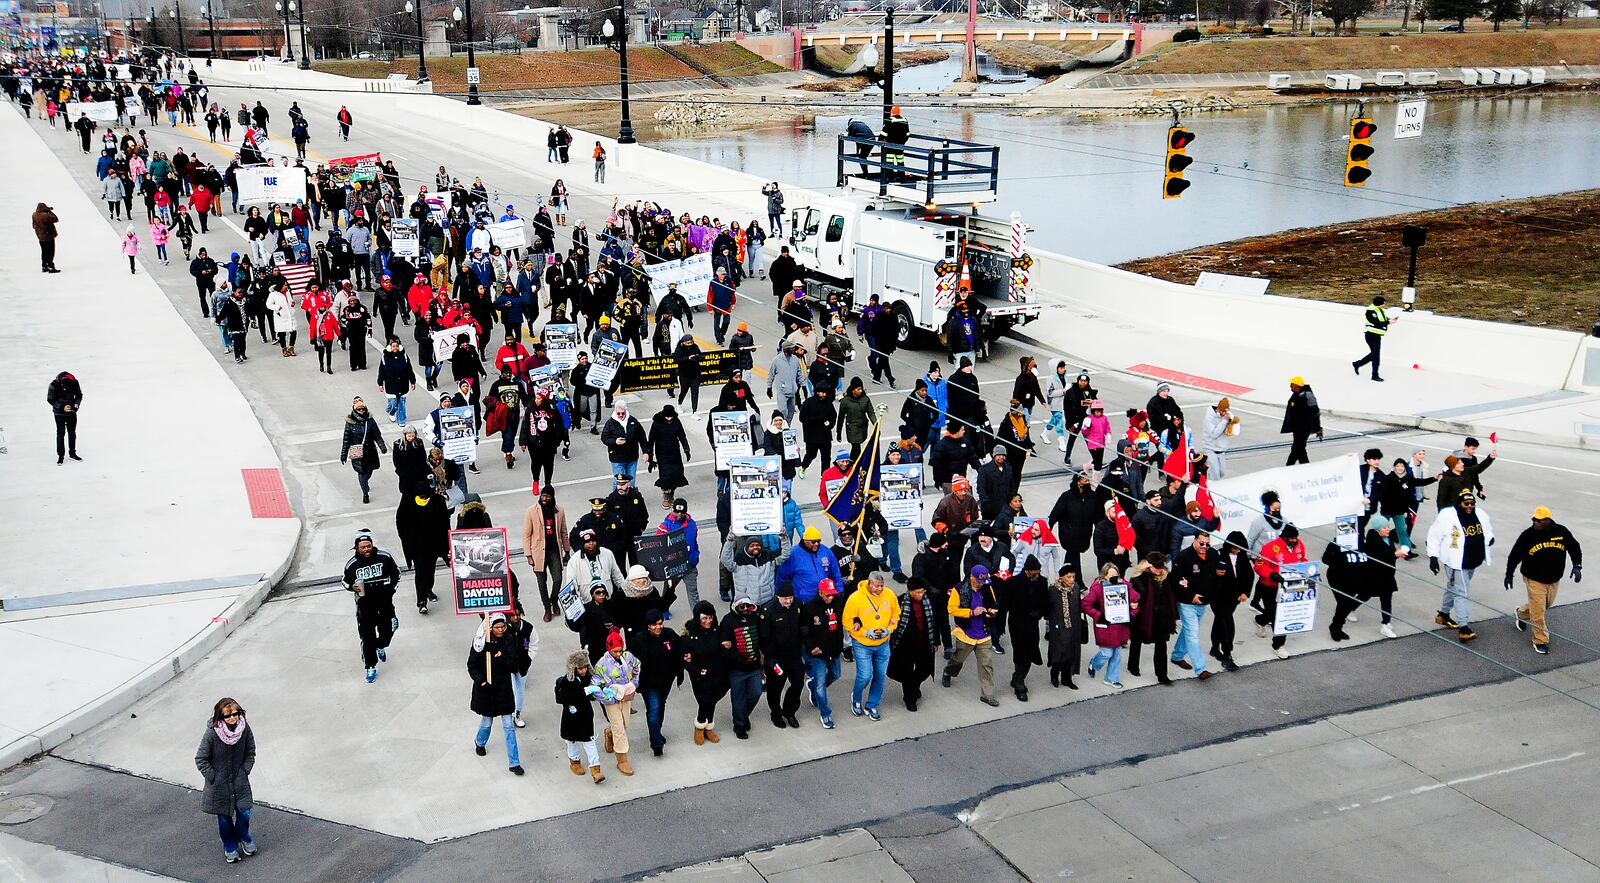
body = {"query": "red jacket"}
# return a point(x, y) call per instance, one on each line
point(418, 297)
point(201, 199)
point(299, 217)
point(515, 355)
point(832, 473)
point(326, 326)
point(315, 301)
point(1275, 553)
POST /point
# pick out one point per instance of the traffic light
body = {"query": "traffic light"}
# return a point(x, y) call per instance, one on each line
point(1178, 159)
point(1356, 171)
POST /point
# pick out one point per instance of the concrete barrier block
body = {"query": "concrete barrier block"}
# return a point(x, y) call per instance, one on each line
point(1390, 78)
point(1278, 81)
point(1487, 76)
point(1536, 75)
point(1423, 78)
point(1469, 76)
point(1519, 77)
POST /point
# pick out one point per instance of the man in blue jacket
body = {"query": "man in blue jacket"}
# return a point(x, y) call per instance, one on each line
point(808, 565)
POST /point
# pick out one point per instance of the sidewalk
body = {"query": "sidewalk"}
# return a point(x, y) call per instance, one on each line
point(173, 527)
point(1248, 371)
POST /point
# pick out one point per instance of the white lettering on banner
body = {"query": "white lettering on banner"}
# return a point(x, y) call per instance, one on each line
point(692, 276)
point(755, 495)
point(271, 184)
point(1312, 493)
point(1409, 118)
point(561, 345)
point(730, 436)
point(509, 234)
point(403, 237)
point(900, 495)
point(99, 111)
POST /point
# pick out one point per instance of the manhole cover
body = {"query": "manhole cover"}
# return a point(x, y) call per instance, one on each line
point(24, 808)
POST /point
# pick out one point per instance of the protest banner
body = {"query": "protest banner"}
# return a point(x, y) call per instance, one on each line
point(665, 555)
point(608, 358)
point(1312, 493)
point(1297, 599)
point(791, 444)
point(755, 496)
point(730, 436)
point(661, 372)
point(403, 237)
point(571, 601)
point(900, 495)
point(692, 276)
point(444, 340)
point(561, 345)
point(509, 234)
point(457, 434)
point(259, 184)
point(358, 169)
point(99, 111)
point(480, 569)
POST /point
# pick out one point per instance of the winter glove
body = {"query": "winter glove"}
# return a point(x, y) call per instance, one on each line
point(1577, 573)
point(1276, 578)
point(1508, 582)
point(1433, 564)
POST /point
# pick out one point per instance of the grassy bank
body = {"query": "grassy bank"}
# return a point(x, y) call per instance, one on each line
point(565, 70)
point(1552, 47)
point(1042, 59)
point(1528, 261)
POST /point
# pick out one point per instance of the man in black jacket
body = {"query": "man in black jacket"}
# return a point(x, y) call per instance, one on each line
point(231, 316)
point(1301, 417)
point(822, 639)
point(784, 662)
point(64, 397)
point(1199, 571)
point(994, 483)
point(1541, 550)
point(372, 576)
point(1073, 517)
point(204, 271)
point(936, 567)
point(423, 522)
point(741, 647)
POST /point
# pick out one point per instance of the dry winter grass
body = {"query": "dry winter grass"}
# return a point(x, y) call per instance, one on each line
point(1527, 261)
point(564, 70)
point(1535, 47)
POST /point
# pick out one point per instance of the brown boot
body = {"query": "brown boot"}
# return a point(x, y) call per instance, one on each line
point(622, 764)
point(510, 460)
point(286, 352)
point(577, 768)
point(598, 776)
point(608, 740)
point(711, 735)
point(699, 735)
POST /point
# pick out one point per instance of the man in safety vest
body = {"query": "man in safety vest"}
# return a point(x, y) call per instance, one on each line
point(895, 131)
point(1378, 320)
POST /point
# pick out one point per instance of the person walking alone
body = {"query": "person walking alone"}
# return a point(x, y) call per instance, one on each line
point(44, 229)
point(1301, 418)
point(362, 442)
point(226, 755)
point(1541, 550)
point(65, 396)
point(372, 576)
point(1378, 320)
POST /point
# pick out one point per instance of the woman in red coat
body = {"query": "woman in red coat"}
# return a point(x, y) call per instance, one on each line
point(1109, 636)
point(1157, 618)
point(324, 331)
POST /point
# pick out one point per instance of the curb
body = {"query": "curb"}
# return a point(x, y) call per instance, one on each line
point(121, 697)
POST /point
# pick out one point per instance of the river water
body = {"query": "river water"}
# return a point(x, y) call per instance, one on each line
point(1092, 188)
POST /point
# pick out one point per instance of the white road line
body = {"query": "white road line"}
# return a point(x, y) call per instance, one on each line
point(1491, 774)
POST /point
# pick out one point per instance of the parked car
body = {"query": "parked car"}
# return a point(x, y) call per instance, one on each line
point(1454, 28)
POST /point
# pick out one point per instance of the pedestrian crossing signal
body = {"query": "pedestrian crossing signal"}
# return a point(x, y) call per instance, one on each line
point(1356, 170)
point(1178, 159)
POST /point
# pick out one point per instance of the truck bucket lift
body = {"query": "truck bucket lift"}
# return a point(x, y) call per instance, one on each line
point(925, 171)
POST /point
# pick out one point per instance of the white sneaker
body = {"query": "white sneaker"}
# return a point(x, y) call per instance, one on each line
point(1044, 436)
point(1280, 652)
point(1350, 618)
point(518, 718)
point(1386, 630)
point(1061, 444)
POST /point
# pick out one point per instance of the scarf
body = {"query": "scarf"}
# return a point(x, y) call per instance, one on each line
point(230, 737)
point(1019, 425)
point(632, 590)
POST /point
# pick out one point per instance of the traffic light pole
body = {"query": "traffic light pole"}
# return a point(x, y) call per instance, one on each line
point(888, 61)
point(1412, 237)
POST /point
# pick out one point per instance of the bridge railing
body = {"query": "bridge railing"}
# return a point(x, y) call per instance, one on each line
point(931, 166)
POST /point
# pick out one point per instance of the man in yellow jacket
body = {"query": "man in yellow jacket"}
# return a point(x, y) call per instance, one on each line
point(972, 605)
point(870, 615)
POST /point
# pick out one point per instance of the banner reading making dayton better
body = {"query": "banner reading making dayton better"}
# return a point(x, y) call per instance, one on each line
point(480, 569)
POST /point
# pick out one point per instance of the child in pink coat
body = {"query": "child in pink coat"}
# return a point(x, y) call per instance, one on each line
point(1095, 430)
point(158, 235)
point(130, 247)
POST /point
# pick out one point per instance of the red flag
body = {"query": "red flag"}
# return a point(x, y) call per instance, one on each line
point(1202, 495)
point(1125, 535)
point(1494, 438)
point(1177, 462)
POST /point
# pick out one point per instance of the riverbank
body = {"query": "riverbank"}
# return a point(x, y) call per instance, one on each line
point(1524, 261)
point(568, 70)
point(1402, 51)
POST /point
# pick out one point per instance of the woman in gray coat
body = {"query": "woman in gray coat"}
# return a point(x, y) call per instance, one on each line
point(226, 755)
point(1067, 631)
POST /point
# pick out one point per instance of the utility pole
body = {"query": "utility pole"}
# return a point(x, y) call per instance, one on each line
point(969, 53)
point(305, 48)
point(888, 60)
point(177, 16)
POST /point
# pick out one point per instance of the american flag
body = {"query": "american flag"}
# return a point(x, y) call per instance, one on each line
point(299, 276)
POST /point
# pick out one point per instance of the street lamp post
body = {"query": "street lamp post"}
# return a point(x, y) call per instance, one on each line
point(472, 58)
point(422, 39)
point(305, 49)
point(288, 42)
point(620, 31)
point(211, 25)
point(177, 16)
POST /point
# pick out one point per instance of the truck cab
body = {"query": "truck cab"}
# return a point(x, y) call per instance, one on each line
point(885, 234)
